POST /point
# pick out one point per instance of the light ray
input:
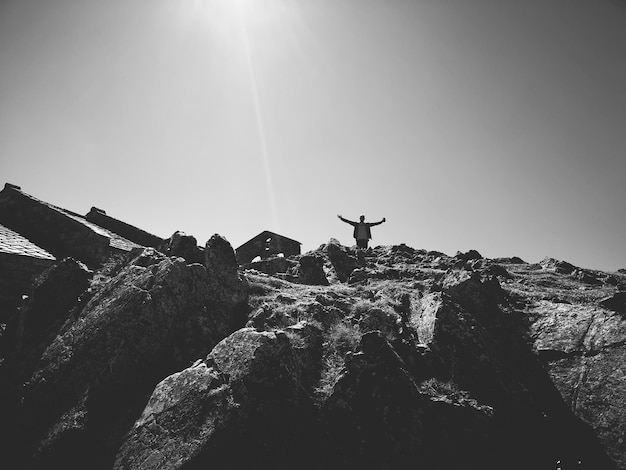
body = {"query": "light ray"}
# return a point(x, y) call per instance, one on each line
point(258, 114)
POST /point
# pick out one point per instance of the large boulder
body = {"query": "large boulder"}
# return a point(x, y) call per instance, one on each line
point(377, 417)
point(245, 405)
point(311, 270)
point(481, 352)
point(583, 347)
point(154, 317)
point(343, 262)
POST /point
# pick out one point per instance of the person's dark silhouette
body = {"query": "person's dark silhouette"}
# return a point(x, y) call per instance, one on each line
point(362, 233)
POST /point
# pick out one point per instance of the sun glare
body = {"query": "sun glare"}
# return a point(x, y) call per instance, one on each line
point(237, 10)
point(238, 25)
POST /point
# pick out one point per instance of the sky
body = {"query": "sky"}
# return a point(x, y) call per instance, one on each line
point(494, 125)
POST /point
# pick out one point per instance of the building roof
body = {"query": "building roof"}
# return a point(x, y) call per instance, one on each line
point(15, 244)
point(123, 229)
point(267, 233)
point(19, 217)
point(116, 241)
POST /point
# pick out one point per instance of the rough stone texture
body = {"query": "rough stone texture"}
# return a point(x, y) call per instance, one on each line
point(578, 331)
point(246, 404)
point(182, 245)
point(310, 270)
point(341, 260)
point(468, 255)
point(377, 417)
point(558, 266)
point(585, 348)
point(155, 316)
point(416, 359)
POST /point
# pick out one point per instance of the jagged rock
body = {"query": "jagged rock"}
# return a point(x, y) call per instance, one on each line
point(245, 405)
point(561, 267)
point(341, 260)
point(182, 245)
point(93, 379)
point(562, 329)
point(594, 387)
point(266, 317)
point(469, 255)
point(584, 348)
point(359, 275)
point(497, 271)
point(221, 265)
point(375, 414)
point(586, 276)
point(478, 295)
point(497, 369)
point(310, 270)
point(615, 302)
point(376, 417)
point(510, 260)
point(415, 359)
point(386, 321)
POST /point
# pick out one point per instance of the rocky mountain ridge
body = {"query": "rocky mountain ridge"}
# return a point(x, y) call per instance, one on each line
point(386, 358)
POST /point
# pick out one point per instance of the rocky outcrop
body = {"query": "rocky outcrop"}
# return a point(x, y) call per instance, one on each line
point(378, 417)
point(150, 319)
point(342, 261)
point(246, 404)
point(403, 359)
point(310, 270)
point(584, 349)
point(182, 245)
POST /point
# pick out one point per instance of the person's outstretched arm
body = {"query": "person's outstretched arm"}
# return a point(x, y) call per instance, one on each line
point(371, 224)
point(346, 220)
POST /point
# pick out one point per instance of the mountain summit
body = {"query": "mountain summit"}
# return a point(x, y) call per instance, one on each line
point(389, 357)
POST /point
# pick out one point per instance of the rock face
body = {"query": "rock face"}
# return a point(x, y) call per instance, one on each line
point(383, 358)
point(151, 318)
point(182, 245)
point(310, 270)
point(247, 394)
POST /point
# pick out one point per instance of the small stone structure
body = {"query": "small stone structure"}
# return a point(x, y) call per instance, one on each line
point(267, 244)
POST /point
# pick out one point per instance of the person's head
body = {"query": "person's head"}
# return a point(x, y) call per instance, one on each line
point(362, 218)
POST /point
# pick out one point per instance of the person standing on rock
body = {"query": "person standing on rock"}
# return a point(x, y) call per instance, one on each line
point(362, 233)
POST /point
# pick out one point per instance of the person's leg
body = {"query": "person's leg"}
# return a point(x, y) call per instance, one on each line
point(361, 243)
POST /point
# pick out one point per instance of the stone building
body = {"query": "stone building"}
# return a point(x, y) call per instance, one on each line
point(34, 234)
point(267, 244)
